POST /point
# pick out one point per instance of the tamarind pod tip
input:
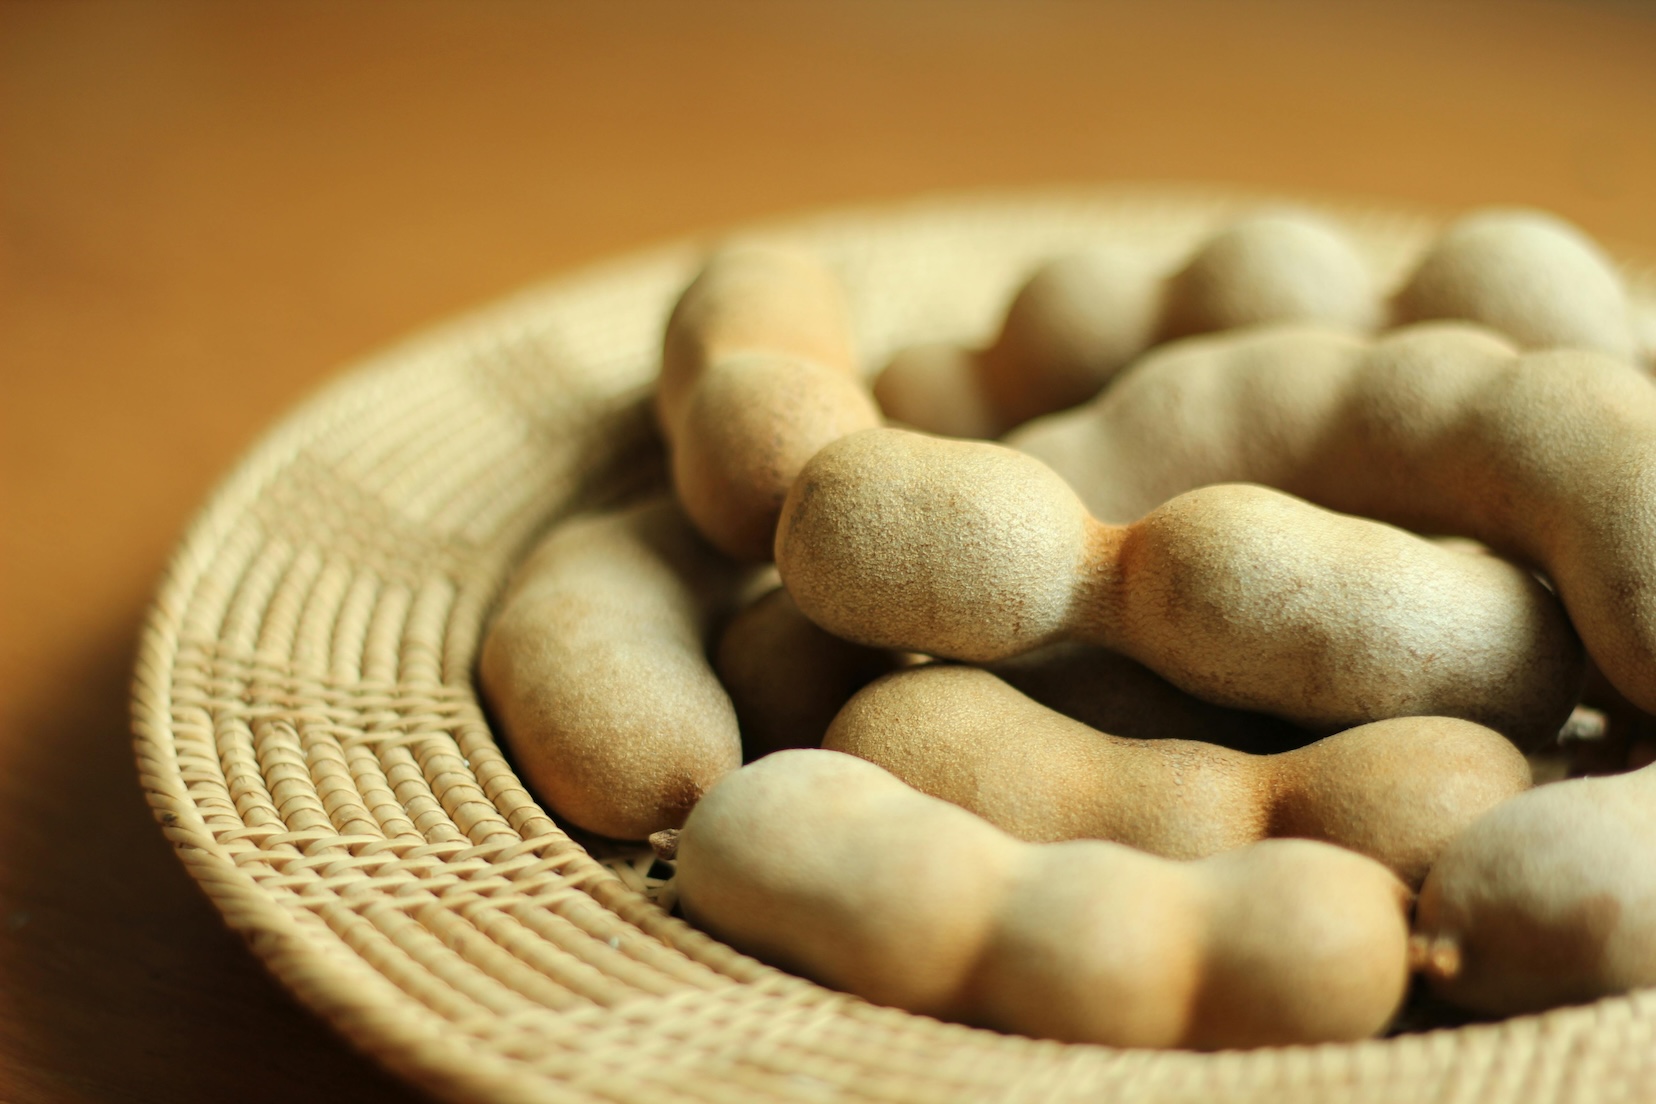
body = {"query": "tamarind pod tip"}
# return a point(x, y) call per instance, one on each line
point(665, 843)
point(1437, 956)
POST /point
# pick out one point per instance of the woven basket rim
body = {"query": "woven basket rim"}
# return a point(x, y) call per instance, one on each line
point(381, 1017)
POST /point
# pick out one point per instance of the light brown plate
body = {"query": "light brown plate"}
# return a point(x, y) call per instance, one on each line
point(310, 740)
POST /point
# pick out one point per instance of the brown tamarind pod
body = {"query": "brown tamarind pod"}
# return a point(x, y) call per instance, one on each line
point(1548, 899)
point(1238, 594)
point(934, 386)
point(752, 299)
point(1080, 318)
point(1530, 275)
point(1396, 790)
point(1279, 266)
point(757, 374)
point(1107, 691)
point(1072, 326)
point(826, 865)
point(787, 677)
point(596, 668)
point(1548, 457)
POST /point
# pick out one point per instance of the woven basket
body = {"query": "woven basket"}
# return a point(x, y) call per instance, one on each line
point(312, 744)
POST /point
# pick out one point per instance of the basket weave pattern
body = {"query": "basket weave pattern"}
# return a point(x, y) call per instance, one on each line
point(309, 737)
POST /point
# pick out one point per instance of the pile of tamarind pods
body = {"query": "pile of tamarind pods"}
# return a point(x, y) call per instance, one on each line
point(1193, 714)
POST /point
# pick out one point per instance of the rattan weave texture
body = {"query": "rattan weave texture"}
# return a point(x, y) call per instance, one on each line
point(309, 738)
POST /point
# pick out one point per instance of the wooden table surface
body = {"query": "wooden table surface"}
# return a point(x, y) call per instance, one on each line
point(206, 208)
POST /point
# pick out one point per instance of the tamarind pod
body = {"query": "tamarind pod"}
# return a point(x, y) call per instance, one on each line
point(1547, 899)
point(1240, 595)
point(1548, 457)
point(788, 678)
point(1396, 790)
point(595, 667)
point(757, 374)
point(826, 865)
point(1080, 318)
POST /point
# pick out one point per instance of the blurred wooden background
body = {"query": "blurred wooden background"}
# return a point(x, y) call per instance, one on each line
point(205, 208)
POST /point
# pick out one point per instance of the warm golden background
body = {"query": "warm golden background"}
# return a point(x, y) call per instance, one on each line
point(206, 208)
